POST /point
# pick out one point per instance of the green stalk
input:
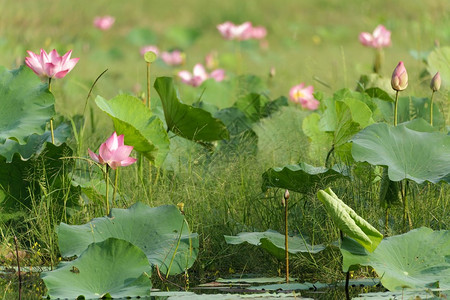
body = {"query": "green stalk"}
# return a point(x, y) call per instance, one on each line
point(286, 246)
point(148, 85)
point(378, 60)
point(431, 109)
point(51, 120)
point(107, 185)
point(116, 176)
point(395, 108)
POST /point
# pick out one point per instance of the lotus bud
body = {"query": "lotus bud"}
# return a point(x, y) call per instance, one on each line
point(399, 80)
point(436, 82)
point(181, 207)
point(285, 198)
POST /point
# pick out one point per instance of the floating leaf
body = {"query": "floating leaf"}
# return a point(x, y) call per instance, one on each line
point(273, 242)
point(417, 259)
point(141, 129)
point(187, 121)
point(26, 104)
point(347, 220)
point(161, 232)
point(110, 268)
point(301, 178)
point(419, 156)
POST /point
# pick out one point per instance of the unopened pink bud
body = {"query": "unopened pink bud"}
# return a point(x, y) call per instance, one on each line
point(436, 82)
point(399, 80)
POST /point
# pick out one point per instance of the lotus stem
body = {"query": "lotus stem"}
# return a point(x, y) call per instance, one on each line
point(176, 249)
point(395, 108)
point(107, 189)
point(406, 216)
point(378, 60)
point(386, 221)
point(286, 246)
point(431, 108)
point(116, 177)
point(148, 85)
point(51, 120)
point(347, 281)
point(18, 267)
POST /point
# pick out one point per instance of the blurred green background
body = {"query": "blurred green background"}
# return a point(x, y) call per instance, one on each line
point(306, 39)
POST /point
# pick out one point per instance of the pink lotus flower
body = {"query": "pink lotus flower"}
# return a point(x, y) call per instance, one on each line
point(173, 58)
point(199, 75)
point(147, 48)
point(304, 96)
point(258, 32)
point(104, 23)
point(52, 64)
point(211, 60)
point(231, 31)
point(399, 80)
point(380, 38)
point(113, 152)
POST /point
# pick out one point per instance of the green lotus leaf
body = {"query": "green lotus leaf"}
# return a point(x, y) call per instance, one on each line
point(347, 220)
point(302, 178)
point(161, 232)
point(35, 144)
point(378, 93)
point(273, 242)
point(439, 60)
point(110, 268)
point(141, 129)
point(320, 141)
point(418, 259)
point(26, 104)
point(20, 180)
point(419, 156)
point(256, 106)
point(187, 121)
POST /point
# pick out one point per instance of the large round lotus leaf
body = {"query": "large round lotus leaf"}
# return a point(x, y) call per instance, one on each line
point(439, 60)
point(35, 144)
point(161, 232)
point(419, 156)
point(301, 178)
point(348, 221)
point(26, 104)
point(141, 129)
point(273, 242)
point(187, 121)
point(417, 259)
point(113, 267)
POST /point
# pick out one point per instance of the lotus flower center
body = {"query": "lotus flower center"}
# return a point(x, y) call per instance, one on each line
point(299, 94)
